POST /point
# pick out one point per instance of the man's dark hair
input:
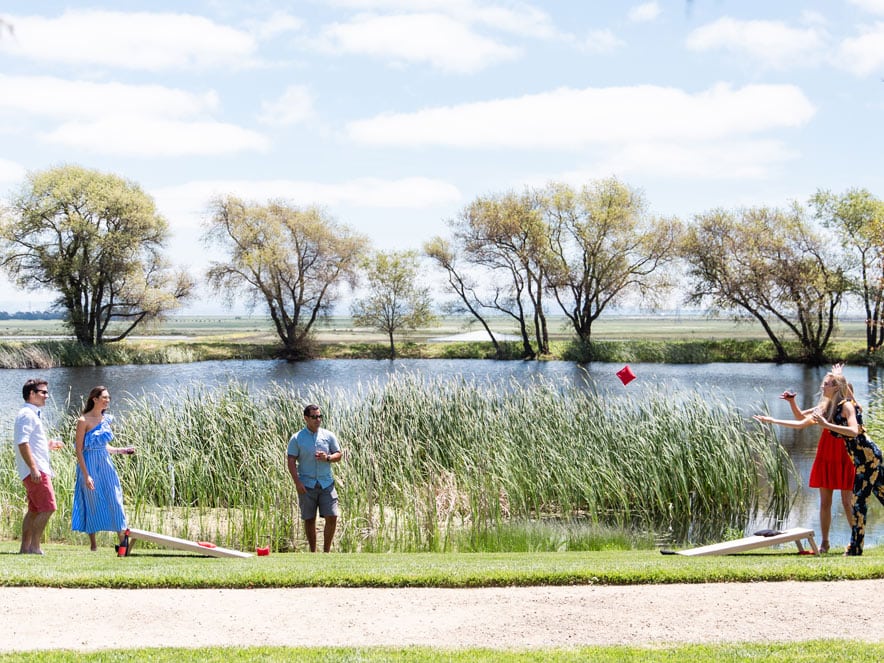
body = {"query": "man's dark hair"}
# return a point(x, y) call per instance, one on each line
point(31, 386)
point(310, 408)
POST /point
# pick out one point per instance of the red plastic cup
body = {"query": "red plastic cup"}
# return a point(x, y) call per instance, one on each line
point(262, 552)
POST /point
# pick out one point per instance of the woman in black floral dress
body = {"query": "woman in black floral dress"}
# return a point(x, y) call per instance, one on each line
point(843, 417)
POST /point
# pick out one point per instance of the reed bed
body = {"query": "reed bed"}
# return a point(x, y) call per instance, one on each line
point(440, 465)
point(51, 354)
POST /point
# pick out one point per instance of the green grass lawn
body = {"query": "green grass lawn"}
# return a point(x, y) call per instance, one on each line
point(74, 566)
point(822, 651)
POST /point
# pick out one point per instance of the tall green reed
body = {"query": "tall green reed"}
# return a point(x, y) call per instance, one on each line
point(443, 464)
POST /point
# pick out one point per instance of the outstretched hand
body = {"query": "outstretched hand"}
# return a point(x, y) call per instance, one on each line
point(763, 418)
point(787, 395)
point(818, 417)
point(838, 369)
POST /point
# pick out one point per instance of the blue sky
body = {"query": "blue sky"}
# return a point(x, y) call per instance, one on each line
point(395, 114)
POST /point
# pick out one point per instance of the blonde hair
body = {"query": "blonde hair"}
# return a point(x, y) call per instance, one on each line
point(845, 393)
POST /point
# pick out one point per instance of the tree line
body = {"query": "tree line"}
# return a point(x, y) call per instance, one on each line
point(32, 315)
point(98, 241)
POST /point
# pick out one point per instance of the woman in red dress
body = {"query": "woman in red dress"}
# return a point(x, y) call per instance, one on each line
point(832, 469)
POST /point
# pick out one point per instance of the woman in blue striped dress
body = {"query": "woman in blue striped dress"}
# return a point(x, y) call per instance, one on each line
point(98, 496)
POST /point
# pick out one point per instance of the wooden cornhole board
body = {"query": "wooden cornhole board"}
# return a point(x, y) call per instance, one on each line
point(752, 542)
point(184, 544)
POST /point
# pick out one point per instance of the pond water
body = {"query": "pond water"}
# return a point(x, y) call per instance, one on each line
point(750, 387)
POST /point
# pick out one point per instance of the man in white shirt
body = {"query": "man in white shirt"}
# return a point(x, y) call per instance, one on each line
point(32, 460)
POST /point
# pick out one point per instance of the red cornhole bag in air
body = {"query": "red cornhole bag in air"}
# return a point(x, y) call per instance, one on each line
point(626, 375)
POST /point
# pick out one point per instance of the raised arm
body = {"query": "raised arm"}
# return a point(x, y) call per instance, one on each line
point(798, 413)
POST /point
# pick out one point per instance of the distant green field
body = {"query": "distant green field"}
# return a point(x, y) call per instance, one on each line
point(256, 329)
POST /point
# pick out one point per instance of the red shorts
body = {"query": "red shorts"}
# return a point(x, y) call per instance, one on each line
point(41, 496)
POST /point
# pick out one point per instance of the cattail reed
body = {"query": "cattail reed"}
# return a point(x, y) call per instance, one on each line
point(439, 465)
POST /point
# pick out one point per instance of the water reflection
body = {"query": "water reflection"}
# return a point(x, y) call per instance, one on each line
point(751, 387)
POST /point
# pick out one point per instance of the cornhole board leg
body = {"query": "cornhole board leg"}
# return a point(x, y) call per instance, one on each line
point(795, 534)
point(183, 544)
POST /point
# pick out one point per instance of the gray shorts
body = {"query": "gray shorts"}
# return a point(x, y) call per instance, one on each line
point(325, 499)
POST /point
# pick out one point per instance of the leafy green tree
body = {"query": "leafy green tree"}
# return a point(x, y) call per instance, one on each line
point(292, 259)
point(773, 266)
point(858, 219)
point(462, 283)
point(97, 240)
point(394, 300)
point(604, 244)
point(504, 237)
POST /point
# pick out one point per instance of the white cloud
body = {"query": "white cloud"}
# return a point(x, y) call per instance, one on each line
point(770, 43)
point(134, 135)
point(864, 55)
point(189, 201)
point(277, 24)
point(717, 160)
point(520, 19)
point(569, 119)
point(11, 173)
point(871, 6)
point(293, 107)
point(433, 39)
point(57, 97)
point(138, 40)
point(648, 11)
point(602, 41)
point(115, 118)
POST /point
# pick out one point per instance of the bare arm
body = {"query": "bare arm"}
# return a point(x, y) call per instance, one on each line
point(852, 428)
point(28, 457)
point(293, 470)
point(787, 423)
point(78, 446)
point(798, 413)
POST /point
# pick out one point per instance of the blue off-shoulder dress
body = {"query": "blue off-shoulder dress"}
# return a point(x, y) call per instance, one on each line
point(101, 509)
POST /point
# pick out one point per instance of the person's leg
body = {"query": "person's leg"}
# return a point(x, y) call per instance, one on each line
point(310, 533)
point(38, 524)
point(328, 509)
point(877, 480)
point(328, 532)
point(825, 517)
point(27, 526)
point(309, 504)
point(41, 506)
point(93, 544)
point(861, 491)
point(847, 504)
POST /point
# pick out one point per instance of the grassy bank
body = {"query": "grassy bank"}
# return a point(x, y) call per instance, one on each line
point(665, 339)
point(50, 354)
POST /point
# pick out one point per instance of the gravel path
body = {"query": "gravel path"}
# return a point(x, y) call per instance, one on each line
point(516, 617)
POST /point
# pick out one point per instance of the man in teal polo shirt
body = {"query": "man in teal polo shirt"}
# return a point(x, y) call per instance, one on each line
point(311, 452)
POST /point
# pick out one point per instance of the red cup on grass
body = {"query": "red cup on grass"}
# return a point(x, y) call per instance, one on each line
point(262, 552)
